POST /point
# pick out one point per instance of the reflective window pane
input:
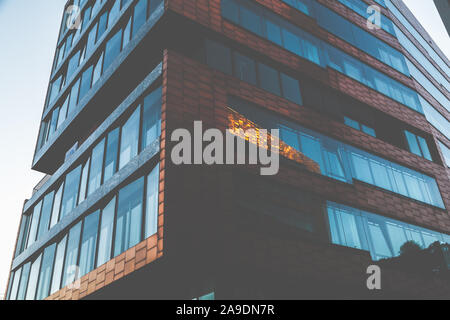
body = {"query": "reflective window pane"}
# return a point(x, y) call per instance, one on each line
point(88, 243)
point(106, 233)
point(129, 139)
point(46, 272)
point(70, 271)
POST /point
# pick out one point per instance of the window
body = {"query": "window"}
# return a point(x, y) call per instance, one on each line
point(129, 216)
point(33, 278)
point(382, 236)
point(114, 12)
point(56, 206)
point(24, 281)
point(70, 265)
point(73, 101)
point(126, 34)
point(97, 70)
point(62, 112)
point(139, 15)
point(111, 154)
point(291, 89)
point(95, 175)
point(23, 232)
point(58, 267)
point(46, 272)
point(151, 122)
point(106, 233)
point(112, 49)
point(417, 145)
point(268, 78)
point(71, 187)
point(73, 64)
point(129, 139)
point(151, 215)
point(15, 278)
point(85, 82)
point(84, 177)
point(34, 224)
point(88, 243)
point(359, 126)
point(445, 153)
point(45, 214)
point(102, 24)
point(218, 56)
point(244, 68)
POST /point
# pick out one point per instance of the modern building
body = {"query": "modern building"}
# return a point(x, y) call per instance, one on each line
point(363, 115)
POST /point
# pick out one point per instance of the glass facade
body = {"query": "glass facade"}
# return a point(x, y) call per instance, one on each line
point(381, 236)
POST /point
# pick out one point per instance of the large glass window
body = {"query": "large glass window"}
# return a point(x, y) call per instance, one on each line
point(88, 243)
point(45, 214)
point(346, 163)
point(111, 154)
point(139, 15)
point(33, 278)
point(445, 152)
point(129, 141)
point(71, 187)
point(56, 206)
point(151, 122)
point(95, 174)
point(70, 271)
point(382, 236)
point(244, 68)
point(218, 56)
point(46, 272)
point(73, 101)
point(417, 145)
point(112, 49)
point(58, 267)
point(151, 214)
point(15, 279)
point(129, 216)
point(23, 233)
point(24, 281)
point(83, 183)
point(34, 224)
point(106, 233)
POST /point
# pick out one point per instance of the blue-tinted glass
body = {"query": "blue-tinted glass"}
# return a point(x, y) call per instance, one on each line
point(70, 193)
point(114, 12)
point(273, 32)
point(129, 216)
point(351, 123)
point(424, 147)
point(89, 243)
point(83, 183)
point(23, 233)
point(34, 224)
point(380, 175)
point(244, 68)
point(54, 89)
point(290, 138)
point(151, 122)
point(102, 24)
point(97, 70)
point(24, 281)
point(91, 40)
point(250, 20)
point(230, 10)
point(53, 122)
point(292, 42)
point(86, 82)
point(45, 214)
point(73, 101)
point(58, 266)
point(362, 169)
point(151, 214)
point(268, 79)
point(15, 279)
point(111, 154)
point(126, 34)
point(291, 89)
point(139, 15)
point(95, 174)
point(106, 233)
point(70, 271)
point(62, 112)
point(368, 130)
point(112, 49)
point(46, 272)
point(129, 141)
point(311, 148)
point(56, 206)
point(33, 278)
point(412, 143)
point(218, 56)
point(73, 64)
point(445, 152)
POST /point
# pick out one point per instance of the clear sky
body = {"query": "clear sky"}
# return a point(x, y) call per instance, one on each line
point(28, 35)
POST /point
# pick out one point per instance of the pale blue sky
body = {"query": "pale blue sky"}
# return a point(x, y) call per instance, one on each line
point(28, 35)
